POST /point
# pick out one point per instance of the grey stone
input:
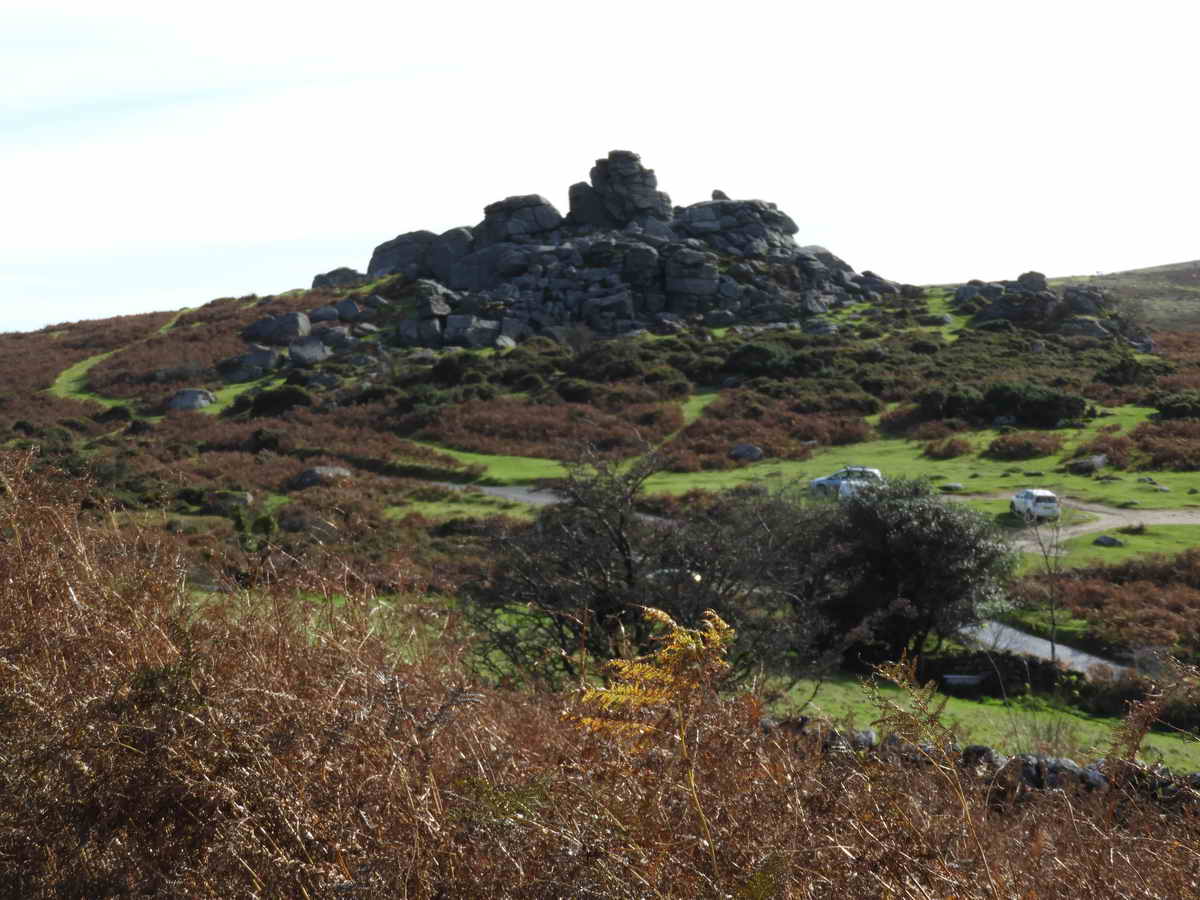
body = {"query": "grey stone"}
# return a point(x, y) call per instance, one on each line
point(255, 363)
point(518, 217)
point(349, 311)
point(429, 332)
point(336, 337)
point(447, 249)
point(1084, 327)
point(281, 329)
point(1106, 540)
point(1083, 300)
point(319, 475)
point(628, 190)
point(1088, 465)
point(407, 254)
point(504, 342)
point(308, 351)
point(746, 453)
point(325, 313)
point(225, 503)
point(612, 306)
point(336, 278)
point(719, 318)
point(951, 486)
point(191, 399)
point(433, 299)
point(408, 332)
point(1032, 281)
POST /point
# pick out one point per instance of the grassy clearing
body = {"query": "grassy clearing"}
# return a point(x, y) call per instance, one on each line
point(1018, 726)
point(503, 470)
point(1168, 539)
point(464, 505)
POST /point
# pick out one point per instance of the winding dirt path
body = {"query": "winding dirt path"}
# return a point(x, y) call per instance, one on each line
point(1034, 538)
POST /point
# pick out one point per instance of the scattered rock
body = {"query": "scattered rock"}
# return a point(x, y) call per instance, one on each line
point(336, 278)
point(951, 487)
point(319, 475)
point(1088, 465)
point(191, 398)
point(746, 453)
point(1106, 540)
point(308, 351)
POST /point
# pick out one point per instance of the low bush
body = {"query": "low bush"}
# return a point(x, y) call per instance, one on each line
point(1172, 445)
point(1024, 445)
point(948, 448)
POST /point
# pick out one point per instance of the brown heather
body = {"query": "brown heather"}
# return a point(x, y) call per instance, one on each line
point(521, 428)
point(304, 739)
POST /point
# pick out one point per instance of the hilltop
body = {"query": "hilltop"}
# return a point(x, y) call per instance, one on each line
point(1166, 297)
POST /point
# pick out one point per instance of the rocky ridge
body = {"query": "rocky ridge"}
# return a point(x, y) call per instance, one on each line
point(622, 259)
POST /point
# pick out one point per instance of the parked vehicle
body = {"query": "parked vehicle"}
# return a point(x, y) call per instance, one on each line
point(1035, 503)
point(847, 481)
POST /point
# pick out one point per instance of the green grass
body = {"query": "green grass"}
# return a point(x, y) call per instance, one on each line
point(228, 394)
point(1169, 539)
point(504, 469)
point(71, 383)
point(694, 405)
point(1020, 726)
point(465, 505)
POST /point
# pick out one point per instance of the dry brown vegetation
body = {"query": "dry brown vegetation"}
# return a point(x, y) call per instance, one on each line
point(305, 739)
point(748, 417)
point(522, 428)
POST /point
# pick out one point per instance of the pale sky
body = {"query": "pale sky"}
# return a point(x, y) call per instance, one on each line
point(158, 155)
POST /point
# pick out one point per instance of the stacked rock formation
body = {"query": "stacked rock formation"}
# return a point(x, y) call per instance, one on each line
point(622, 259)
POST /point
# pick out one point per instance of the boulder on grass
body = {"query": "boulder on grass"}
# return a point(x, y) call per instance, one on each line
point(191, 398)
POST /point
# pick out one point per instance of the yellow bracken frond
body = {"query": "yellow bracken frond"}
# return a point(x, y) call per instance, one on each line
point(668, 681)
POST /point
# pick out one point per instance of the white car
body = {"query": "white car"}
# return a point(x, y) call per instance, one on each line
point(847, 481)
point(1035, 503)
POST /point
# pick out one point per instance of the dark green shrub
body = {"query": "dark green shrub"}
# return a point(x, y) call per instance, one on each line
point(279, 400)
point(1180, 405)
point(1032, 404)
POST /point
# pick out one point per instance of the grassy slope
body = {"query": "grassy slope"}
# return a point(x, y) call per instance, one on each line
point(1170, 294)
point(1018, 726)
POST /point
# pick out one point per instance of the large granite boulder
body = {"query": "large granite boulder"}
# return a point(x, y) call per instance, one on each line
point(622, 191)
point(517, 217)
point(1084, 300)
point(281, 330)
point(751, 228)
point(407, 254)
point(449, 247)
point(255, 363)
point(337, 278)
point(308, 351)
point(191, 399)
point(470, 331)
point(1032, 282)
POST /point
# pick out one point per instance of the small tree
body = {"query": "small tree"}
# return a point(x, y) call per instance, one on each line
point(567, 592)
point(898, 564)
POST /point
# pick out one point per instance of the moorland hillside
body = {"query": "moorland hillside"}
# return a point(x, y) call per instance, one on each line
point(287, 590)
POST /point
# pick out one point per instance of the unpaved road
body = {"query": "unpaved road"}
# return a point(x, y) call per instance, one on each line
point(995, 636)
point(1032, 540)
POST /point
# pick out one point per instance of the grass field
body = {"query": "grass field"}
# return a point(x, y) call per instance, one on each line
point(1021, 725)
